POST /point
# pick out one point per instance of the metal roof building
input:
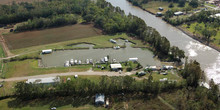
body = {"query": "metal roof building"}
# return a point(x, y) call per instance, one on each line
point(99, 99)
point(48, 80)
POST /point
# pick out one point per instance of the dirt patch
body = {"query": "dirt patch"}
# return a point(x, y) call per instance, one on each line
point(47, 36)
point(8, 2)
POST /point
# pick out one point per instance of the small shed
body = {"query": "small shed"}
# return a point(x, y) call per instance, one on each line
point(178, 13)
point(99, 99)
point(47, 51)
point(133, 59)
point(116, 67)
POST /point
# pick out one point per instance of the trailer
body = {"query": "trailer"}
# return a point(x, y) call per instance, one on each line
point(47, 51)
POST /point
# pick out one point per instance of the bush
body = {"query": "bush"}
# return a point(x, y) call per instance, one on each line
point(129, 69)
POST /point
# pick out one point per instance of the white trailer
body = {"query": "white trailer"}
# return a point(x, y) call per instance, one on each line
point(133, 59)
point(47, 51)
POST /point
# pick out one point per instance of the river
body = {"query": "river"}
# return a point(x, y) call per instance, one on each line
point(206, 56)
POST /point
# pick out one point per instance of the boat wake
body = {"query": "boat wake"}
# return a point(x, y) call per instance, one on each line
point(213, 72)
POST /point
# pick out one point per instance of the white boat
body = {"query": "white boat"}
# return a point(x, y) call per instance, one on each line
point(67, 64)
point(106, 59)
point(116, 47)
point(71, 61)
point(79, 62)
point(90, 61)
point(114, 60)
point(102, 60)
point(87, 61)
point(75, 61)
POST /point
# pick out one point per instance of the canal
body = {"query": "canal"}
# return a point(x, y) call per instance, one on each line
point(206, 56)
point(58, 58)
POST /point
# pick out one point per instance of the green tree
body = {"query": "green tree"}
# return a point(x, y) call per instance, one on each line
point(192, 73)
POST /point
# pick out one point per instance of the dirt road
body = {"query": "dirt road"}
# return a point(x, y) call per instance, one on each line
point(66, 74)
point(4, 45)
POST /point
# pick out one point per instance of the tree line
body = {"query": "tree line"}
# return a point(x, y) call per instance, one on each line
point(85, 87)
point(110, 19)
point(53, 21)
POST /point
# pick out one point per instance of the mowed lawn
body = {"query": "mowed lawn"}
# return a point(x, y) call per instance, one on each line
point(214, 39)
point(47, 36)
point(100, 41)
point(30, 68)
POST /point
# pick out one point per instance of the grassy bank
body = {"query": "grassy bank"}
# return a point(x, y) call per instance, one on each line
point(30, 67)
point(198, 33)
point(152, 6)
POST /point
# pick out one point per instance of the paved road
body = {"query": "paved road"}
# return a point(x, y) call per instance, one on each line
point(66, 74)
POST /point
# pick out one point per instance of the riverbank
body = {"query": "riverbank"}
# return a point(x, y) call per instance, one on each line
point(198, 39)
point(185, 31)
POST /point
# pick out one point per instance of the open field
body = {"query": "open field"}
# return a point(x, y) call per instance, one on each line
point(7, 2)
point(47, 36)
point(30, 67)
point(215, 40)
point(68, 104)
point(153, 6)
point(101, 41)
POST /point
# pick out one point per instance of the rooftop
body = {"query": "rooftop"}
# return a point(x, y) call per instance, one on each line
point(43, 80)
point(115, 66)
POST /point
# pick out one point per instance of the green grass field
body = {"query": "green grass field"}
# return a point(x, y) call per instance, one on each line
point(153, 6)
point(101, 41)
point(30, 67)
point(215, 40)
point(2, 55)
point(47, 36)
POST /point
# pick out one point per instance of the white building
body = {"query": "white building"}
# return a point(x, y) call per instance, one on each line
point(47, 51)
point(151, 67)
point(168, 67)
point(49, 80)
point(115, 67)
